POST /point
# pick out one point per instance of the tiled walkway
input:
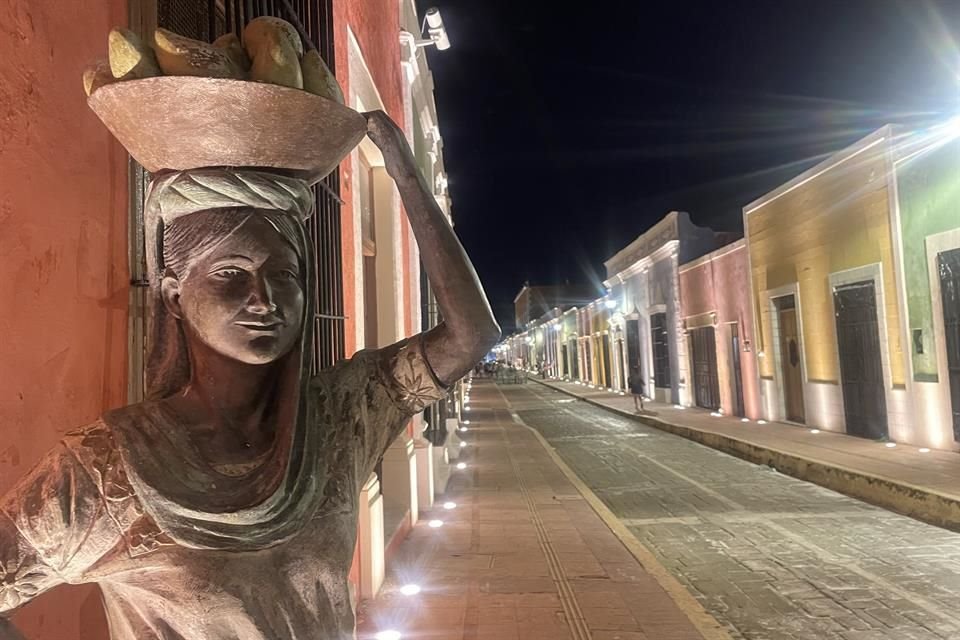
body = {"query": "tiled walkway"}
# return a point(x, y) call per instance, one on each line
point(528, 553)
point(925, 484)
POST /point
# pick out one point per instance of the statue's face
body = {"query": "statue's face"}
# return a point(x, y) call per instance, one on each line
point(244, 299)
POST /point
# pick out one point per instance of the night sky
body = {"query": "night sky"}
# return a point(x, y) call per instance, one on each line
point(569, 132)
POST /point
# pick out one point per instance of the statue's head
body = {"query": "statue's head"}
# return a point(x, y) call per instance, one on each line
point(235, 282)
point(230, 269)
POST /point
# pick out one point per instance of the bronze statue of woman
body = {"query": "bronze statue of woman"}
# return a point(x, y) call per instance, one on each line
point(224, 507)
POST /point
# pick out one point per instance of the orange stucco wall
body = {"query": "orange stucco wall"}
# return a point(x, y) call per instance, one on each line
point(63, 215)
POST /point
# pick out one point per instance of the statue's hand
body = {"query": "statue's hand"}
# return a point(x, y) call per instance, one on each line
point(389, 138)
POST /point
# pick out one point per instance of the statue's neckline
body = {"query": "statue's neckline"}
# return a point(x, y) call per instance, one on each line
point(162, 455)
point(198, 459)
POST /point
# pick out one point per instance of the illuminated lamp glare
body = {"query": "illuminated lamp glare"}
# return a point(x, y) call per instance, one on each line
point(436, 524)
point(924, 450)
point(814, 430)
point(890, 445)
point(461, 465)
point(389, 634)
point(449, 505)
point(410, 589)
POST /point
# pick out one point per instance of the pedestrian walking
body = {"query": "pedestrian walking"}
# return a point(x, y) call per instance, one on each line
point(636, 384)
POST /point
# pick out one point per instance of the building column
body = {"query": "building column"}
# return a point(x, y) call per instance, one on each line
point(425, 474)
point(400, 475)
point(453, 439)
point(371, 538)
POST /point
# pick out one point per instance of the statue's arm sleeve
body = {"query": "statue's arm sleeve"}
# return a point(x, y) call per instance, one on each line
point(53, 527)
point(401, 384)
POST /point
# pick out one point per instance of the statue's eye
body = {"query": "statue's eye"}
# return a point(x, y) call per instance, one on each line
point(227, 273)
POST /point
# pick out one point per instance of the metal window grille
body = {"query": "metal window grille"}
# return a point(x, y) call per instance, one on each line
point(207, 20)
point(661, 350)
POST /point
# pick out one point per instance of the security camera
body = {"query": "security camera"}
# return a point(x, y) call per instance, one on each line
point(438, 33)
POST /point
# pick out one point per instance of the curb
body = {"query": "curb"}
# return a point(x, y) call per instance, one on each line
point(910, 500)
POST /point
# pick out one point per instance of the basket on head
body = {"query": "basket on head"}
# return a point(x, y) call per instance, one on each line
point(182, 122)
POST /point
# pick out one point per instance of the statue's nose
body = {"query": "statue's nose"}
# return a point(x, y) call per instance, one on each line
point(261, 297)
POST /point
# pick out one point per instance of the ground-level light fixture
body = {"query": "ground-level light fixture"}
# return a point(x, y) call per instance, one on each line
point(449, 505)
point(744, 419)
point(814, 430)
point(761, 422)
point(890, 445)
point(410, 589)
point(389, 634)
point(435, 524)
point(461, 465)
point(462, 444)
point(924, 450)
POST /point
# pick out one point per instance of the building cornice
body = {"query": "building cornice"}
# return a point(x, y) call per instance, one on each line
point(665, 250)
point(714, 255)
point(833, 161)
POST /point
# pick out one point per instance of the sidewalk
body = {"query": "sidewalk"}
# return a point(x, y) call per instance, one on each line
point(528, 553)
point(924, 485)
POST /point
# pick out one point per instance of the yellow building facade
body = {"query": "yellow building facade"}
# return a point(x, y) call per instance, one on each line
point(824, 294)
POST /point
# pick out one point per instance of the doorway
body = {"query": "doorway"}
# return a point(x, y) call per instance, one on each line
point(574, 356)
point(620, 368)
point(736, 372)
point(633, 346)
point(861, 372)
point(605, 356)
point(661, 350)
point(948, 268)
point(790, 360)
point(706, 383)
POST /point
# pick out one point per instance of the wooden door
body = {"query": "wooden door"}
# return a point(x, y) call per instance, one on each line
point(706, 383)
point(790, 361)
point(735, 370)
point(861, 373)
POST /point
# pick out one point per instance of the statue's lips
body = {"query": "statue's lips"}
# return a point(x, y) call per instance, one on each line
point(261, 326)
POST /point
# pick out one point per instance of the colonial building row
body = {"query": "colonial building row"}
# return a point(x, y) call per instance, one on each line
point(838, 309)
point(74, 342)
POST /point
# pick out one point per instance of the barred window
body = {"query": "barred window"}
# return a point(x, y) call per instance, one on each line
point(661, 350)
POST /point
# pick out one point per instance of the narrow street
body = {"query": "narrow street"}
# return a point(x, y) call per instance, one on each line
point(769, 556)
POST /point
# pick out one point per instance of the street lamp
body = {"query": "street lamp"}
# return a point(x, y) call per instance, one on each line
point(438, 33)
point(437, 36)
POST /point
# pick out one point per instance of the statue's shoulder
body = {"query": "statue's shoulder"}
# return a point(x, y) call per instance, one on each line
point(347, 372)
point(95, 447)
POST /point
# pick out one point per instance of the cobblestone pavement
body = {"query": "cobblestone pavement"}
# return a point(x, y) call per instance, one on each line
point(770, 556)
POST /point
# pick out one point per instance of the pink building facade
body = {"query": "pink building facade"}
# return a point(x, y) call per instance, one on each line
point(718, 328)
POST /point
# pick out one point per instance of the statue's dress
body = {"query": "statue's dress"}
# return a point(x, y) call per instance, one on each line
point(88, 513)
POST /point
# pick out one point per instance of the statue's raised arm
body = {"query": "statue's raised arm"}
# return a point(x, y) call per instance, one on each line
point(469, 329)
